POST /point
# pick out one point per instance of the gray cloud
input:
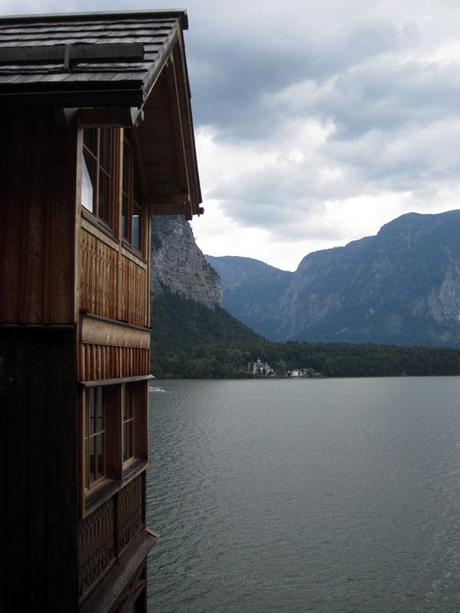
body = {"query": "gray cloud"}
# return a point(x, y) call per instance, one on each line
point(365, 74)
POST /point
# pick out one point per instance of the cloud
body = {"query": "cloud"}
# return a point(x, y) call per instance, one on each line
point(316, 120)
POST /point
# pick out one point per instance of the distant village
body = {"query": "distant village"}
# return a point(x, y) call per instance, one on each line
point(263, 369)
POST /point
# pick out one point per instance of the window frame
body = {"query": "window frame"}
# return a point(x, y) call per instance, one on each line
point(117, 470)
point(109, 175)
point(128, 424)
point(95, 394)
point(134, 201)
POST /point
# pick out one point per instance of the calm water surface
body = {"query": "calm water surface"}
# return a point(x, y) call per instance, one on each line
point(332, 495)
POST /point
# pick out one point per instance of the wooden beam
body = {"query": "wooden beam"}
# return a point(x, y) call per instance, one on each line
point(96, 332)
point(69, 53)
point(174, 209)
point(121, 116)
point(167, 199)
point(118, 381)
point(178, 124)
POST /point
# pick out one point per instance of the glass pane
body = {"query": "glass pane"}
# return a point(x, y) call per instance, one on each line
point(128, 448)
point(137, 188)
point(91, 412)
point(105, 149)
point(88, 182)
point(92, 461)
point(90, 139)
point(136, 227)
point(99, 411)
point(125, 442)
point(126, 164)
point(99, 455)
point(130, 439)
point(104, 188)
point(127, 409)
point(124, 218)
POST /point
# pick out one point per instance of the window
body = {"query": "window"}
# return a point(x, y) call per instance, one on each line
point(95, 436)
point(132, 223)
point(115, 432)
point(128, 425)
point(97, 171)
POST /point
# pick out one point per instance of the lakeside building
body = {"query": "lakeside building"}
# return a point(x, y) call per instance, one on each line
point(96, 132)
point(262, 369)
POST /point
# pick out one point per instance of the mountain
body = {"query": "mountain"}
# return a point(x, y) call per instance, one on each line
point(193, 337)
point(252, 290)
point(401, 286)
point(178, 265)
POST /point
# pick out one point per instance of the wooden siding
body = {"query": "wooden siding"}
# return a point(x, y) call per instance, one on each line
point(134, 297)
point(37, 219)
point(111, 351)
point(38, 438)
point(98, 276)
point(113, 282)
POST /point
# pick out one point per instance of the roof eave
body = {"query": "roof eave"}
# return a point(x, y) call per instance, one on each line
point(180, 14)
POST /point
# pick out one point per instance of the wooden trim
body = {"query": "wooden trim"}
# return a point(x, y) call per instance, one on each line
point(97, 332)
point(113, 431)
point(111, 321)
point(107, 488)
point(133, 254)
point(179, 128)
point(116, 381)
point(93, 225)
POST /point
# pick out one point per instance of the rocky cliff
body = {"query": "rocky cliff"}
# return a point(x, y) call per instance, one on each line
point(401, 286)
point(179, 266)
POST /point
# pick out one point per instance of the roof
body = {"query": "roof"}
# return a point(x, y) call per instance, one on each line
point(35, 51)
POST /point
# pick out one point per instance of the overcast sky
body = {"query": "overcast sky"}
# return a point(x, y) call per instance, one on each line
point(316, 121)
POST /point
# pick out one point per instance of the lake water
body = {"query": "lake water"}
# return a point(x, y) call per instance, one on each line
point(330, 495)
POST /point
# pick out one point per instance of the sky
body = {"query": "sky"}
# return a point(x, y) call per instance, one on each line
point(316, 121)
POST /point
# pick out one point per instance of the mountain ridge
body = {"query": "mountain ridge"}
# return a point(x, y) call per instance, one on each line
point(399, 286)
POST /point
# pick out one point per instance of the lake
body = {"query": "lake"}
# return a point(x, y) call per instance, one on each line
point(328, 495)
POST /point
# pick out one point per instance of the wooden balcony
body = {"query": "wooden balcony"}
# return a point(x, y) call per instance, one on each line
point(107, 531)
point(114, 283)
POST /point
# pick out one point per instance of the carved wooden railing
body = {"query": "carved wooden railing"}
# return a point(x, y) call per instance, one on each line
point(113, 283)
point(96, 544)
point(130, 513)
point(98, 276)
point(134, 295)
point(108, 530)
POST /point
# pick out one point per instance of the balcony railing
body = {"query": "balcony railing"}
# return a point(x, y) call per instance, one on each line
point(108, 530)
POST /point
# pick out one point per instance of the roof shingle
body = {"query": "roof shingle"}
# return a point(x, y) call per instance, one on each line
point(155, 30)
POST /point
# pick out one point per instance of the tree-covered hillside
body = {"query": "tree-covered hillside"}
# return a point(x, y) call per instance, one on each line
point(192, 341)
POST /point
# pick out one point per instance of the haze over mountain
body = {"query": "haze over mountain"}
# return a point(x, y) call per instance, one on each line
point(401, 286)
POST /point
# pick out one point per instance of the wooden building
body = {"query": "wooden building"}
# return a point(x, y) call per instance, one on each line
point(96, 134)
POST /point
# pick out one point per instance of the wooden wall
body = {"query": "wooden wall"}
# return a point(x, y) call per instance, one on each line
point(39, 501)
point(37, 218)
